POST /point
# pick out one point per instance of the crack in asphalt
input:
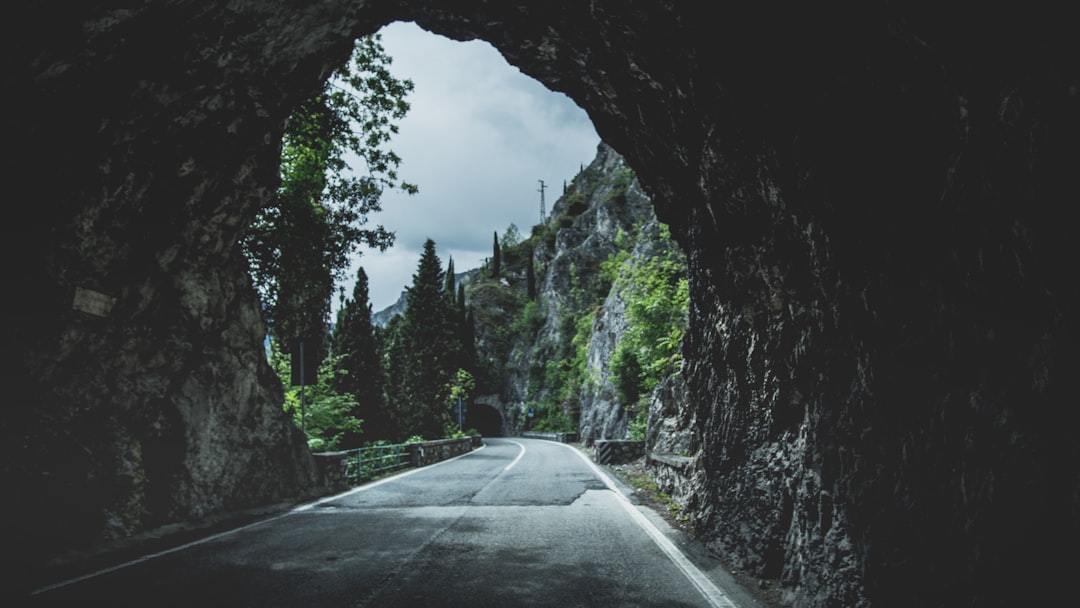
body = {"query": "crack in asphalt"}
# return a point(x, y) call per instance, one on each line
point(380, 585)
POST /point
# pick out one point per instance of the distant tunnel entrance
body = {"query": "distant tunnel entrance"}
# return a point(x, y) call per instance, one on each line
point(485, 419)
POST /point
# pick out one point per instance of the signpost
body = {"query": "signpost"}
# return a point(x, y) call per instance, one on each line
point(303, 370)
point(303, 407)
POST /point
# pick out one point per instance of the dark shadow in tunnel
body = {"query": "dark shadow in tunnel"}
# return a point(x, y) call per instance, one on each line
point(485, 419)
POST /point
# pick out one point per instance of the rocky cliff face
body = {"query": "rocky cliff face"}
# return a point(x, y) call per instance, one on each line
point(140, 393)
point(599, 204)
point(874, 200)
point(603, 413)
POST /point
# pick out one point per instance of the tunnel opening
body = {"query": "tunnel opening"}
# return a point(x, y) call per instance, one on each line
point(485, 419)
point(475, 153)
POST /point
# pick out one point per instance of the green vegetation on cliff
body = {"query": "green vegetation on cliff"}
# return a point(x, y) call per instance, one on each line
point(546, 338)
point(657, 296)
point(499, 333)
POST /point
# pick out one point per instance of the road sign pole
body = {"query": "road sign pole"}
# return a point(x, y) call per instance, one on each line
point(303, 408)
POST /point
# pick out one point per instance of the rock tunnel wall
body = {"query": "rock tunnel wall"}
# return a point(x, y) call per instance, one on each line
point(140, 393)
point(874, 202)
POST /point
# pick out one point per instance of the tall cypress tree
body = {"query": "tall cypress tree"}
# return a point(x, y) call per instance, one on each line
point(361, 374)
point(395, 358)
point(466, 333)
point(496, 258)
point(431, 348)
point(461, 301)
point(450, 279)
point(530, 277)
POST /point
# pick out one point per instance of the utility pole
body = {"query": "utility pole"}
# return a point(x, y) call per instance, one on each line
point(543, 212)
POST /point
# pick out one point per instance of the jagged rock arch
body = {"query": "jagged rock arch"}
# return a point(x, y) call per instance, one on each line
point(870, 198)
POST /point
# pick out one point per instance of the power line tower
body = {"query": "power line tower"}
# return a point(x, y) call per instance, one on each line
point(543, 212)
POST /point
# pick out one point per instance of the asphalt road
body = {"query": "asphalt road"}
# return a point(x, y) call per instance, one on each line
point(517, 522)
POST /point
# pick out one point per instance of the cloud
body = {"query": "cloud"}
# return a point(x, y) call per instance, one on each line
point(477, 140)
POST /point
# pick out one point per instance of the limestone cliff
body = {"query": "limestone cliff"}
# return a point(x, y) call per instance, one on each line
point(601, 201)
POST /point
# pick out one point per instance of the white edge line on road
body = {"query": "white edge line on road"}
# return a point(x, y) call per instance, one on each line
point(520, 454)
point(150, 556)
point(713, 594)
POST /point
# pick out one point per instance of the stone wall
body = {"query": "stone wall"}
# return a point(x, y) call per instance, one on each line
point(430, 452)
point(332, 467)
point(671, 472)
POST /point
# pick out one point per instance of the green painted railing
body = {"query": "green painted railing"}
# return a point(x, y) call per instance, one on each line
point(368, 462)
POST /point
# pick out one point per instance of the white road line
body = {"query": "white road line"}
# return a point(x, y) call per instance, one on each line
point(713, 594)
point(148, 557)
point(520, 454)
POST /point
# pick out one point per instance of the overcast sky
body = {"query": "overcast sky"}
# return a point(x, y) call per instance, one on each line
point(477, 140)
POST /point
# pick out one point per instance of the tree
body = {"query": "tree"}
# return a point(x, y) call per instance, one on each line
point(459, 391)
point(466, 328)
point(496, 258)
point(511, 236)
point(300, 244)
point(353, 341)
point(394, 357)
point(448, 287)
point(425, 352)
point(657, 297)
point(461, 300)
point(325, 414)
point(530, 277)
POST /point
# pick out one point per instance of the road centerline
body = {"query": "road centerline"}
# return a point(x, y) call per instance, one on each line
point(520, 454)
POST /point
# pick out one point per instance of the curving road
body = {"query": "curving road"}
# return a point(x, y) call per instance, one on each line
point(517, 522)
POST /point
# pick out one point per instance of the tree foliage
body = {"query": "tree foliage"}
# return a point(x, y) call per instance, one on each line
point(459, 390)
point(335, 165)
point(353, 342)
point(649, 272)
point(511, 237)
point(530, 276)
point(496, 257)
point(325, 414)
point(424, 350)
point(657, 297)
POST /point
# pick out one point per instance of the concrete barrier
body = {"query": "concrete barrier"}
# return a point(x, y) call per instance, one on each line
point(616, 451)
point(560, 437)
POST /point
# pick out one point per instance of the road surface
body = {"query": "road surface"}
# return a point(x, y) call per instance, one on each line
point(517, 522)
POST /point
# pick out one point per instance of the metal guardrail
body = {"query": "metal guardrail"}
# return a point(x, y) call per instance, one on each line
point(365, 463)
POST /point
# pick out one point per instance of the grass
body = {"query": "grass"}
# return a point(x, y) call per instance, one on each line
point(649, 492)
